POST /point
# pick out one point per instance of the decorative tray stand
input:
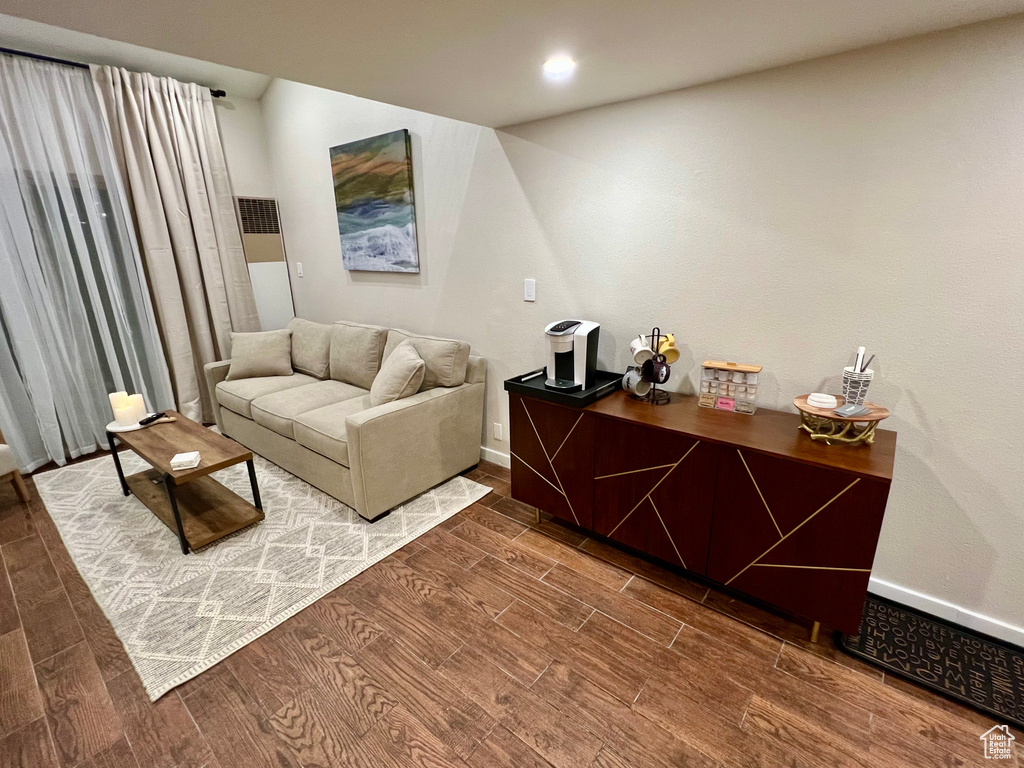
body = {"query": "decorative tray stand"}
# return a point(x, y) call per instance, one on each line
point(823, 424)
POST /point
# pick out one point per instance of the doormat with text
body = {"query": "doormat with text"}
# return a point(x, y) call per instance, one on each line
point(974, 669)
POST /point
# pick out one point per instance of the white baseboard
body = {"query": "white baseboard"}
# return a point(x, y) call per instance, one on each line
point(495, 457)
point(948, 611)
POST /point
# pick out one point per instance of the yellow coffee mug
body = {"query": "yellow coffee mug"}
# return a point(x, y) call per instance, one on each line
point(668, 348)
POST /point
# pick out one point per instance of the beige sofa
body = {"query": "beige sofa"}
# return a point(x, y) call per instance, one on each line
point(318, 423)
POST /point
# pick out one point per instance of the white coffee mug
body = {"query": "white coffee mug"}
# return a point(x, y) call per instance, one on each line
point(640, 350)
point(633, 384)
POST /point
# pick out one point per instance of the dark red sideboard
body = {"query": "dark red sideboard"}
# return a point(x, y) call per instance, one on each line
point(749, 502)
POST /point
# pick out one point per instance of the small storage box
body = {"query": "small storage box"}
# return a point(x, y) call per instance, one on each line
point(729, 386)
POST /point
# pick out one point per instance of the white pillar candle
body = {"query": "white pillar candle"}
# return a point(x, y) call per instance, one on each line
point(118, 400)
point(136, 408)
point(124, 416)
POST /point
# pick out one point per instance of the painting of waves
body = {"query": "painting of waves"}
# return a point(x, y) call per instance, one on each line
point(374, 198)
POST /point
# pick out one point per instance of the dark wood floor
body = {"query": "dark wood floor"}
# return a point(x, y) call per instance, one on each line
point(488, 642)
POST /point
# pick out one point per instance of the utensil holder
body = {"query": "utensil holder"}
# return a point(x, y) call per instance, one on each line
point(855, 384)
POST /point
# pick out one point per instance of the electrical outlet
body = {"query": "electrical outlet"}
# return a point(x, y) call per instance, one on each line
point(529, 289)
point(298, 268)
point(497, 431)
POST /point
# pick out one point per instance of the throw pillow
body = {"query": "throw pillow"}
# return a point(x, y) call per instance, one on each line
point(356, 352)
point(311, 347)
point(445, 359)
point(260, 354)
point(400, 376)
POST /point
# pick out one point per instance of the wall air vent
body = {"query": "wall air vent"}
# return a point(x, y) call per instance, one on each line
point(258, 216)
point(264, 252)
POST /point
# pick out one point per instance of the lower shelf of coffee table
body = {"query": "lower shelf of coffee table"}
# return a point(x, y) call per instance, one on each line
point(208, 510)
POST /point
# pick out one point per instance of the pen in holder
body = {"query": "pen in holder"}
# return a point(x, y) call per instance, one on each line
point(855, 384)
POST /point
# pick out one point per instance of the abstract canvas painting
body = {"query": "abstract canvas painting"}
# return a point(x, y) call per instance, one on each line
point(374, 197)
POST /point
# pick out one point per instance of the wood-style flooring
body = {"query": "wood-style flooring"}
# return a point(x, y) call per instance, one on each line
point(488, 642)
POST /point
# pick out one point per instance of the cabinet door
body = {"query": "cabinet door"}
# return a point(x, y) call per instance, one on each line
point(654, 491)
point(800, 537)
point(553, 458)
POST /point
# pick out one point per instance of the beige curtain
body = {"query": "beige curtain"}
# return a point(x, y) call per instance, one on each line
point(168, 147)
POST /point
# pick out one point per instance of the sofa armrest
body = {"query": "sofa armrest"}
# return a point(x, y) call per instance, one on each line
point(405, 447)
point(215, 374)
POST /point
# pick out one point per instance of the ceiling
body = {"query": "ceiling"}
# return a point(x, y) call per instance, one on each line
point(33, 37)
point(480, 60)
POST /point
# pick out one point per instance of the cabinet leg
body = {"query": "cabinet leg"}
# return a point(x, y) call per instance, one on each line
point(537, 516)
point(814, 631)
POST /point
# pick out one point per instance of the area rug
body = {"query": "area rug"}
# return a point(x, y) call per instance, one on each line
point(974, 669)
point(178, 615)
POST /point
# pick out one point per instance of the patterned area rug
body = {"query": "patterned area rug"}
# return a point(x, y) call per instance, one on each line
point(178, 615)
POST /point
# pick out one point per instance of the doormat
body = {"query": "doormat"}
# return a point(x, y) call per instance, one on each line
point(974, 669)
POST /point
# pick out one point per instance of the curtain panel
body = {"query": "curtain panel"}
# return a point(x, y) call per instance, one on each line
point(171, 160)
point(75, 315)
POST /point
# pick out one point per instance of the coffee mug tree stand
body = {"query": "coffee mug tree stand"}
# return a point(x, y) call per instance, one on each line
point(655, 396)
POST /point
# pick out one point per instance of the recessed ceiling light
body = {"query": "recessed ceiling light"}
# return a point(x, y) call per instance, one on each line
point(559, 68)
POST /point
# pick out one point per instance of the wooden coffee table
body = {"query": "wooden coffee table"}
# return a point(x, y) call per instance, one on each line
point(189, 502)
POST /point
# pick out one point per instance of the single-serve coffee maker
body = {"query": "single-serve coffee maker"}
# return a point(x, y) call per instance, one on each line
point(572, 361)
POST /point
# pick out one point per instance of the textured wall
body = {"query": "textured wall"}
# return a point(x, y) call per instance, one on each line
point(875, 197)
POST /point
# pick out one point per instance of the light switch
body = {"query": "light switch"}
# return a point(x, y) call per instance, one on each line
point(529, 289)
point(298, 268)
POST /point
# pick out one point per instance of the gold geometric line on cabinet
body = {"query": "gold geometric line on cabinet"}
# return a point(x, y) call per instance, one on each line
point(673, 541)
point(536, 472)
point(812, 567)
point(757, 559)
point(555, 454)
point(631, 471)
point(653, 488)
point(758, 489)
point(561, 488)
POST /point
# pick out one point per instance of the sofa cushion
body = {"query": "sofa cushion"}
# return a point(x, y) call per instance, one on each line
point(323, 430)
point(445, 359)
point(356, 352)
point(399, 376)
point(276, 410)
point(238, 395)
point(311, 347)
point(268, 353)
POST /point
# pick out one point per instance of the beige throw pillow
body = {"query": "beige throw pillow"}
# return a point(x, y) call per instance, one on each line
point(311, 347)
point(356, 352)
point(400, 376)
point(445, 359)
point(260, 354)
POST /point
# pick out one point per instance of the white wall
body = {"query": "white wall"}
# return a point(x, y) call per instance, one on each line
point(245, 145)
point(782, 218)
